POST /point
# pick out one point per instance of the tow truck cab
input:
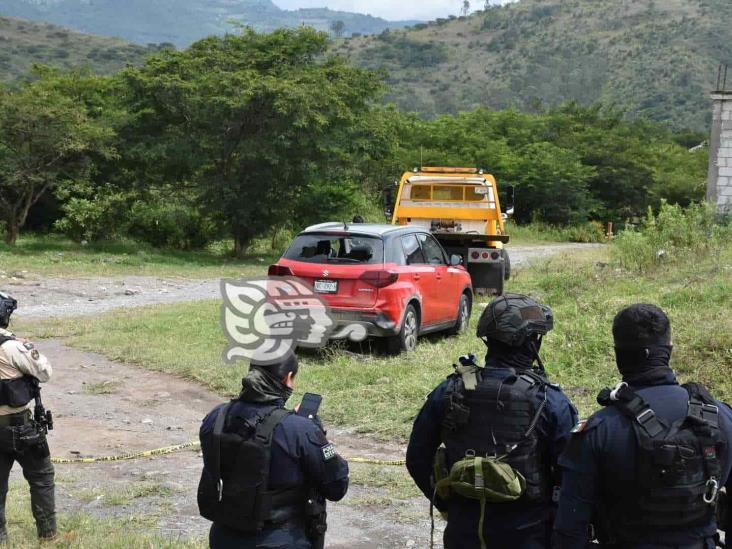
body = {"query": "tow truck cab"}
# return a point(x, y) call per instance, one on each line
point(462, 209)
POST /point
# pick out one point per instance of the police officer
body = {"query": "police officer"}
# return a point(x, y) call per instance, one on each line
point(22, 367)
point(645, 470)
point(267, 471)
point(508, 415)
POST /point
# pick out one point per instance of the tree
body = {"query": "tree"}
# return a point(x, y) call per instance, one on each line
point(338, 27)
point(247, 122)
point(47, 139)
point(466, 7)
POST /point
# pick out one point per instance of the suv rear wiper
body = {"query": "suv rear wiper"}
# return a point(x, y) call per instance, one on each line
point(339, 259)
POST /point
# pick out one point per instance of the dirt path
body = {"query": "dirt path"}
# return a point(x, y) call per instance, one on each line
point(63, 297)
point(106, 408)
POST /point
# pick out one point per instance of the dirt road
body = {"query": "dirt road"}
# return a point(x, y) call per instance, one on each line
point(107, 408)
point(62, 297)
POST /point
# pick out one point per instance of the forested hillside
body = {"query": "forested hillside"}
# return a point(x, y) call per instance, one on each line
point(650, 58)
point(183, 21)
point(247, 136)
point(23, 43)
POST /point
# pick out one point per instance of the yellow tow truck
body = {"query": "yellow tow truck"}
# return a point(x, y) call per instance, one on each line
point(462, 209)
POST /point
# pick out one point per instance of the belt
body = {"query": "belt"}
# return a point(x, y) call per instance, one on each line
point(16, 420)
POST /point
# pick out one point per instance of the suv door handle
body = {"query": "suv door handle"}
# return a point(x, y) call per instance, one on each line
point(417, 276)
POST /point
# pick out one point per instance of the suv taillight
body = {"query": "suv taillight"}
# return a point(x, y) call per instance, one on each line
point(380, 279)
point(279, 270)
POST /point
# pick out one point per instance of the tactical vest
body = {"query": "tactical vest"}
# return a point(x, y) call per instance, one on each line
point(234, 488)
point(18, 392)
point(498, 418)
point(678, 468)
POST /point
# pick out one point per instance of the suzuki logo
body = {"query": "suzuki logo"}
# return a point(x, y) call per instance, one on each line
point(326, 273)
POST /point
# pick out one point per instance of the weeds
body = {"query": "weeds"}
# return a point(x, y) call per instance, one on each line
point(675, 235)
point(102, 388)
point(538, 232)
point(85, 531)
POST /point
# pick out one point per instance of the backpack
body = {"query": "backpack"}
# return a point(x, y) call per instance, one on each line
point(234, 489)
point(678, 466)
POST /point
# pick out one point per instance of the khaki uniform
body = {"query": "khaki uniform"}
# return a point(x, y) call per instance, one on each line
point(18, 360)
point(20, 440)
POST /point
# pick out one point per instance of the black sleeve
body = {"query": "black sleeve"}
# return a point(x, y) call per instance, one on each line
point(579, 492)
point(424, 442)
point(326, 469)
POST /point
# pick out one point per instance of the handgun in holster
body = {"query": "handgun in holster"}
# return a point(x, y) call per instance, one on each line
point(316, 517)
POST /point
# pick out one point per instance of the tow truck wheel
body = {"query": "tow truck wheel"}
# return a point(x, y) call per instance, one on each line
point(406, 339)
point(506, 264)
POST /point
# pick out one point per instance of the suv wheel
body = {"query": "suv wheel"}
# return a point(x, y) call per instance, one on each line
point(463, 318)
point(406, 339)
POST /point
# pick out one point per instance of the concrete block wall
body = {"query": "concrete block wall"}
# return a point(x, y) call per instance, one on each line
point(719, 188)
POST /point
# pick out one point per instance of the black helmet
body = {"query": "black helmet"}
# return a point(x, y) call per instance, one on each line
point(513, 318)
point(7, 306)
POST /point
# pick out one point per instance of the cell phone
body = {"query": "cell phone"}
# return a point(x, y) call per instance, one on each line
point(309, 405)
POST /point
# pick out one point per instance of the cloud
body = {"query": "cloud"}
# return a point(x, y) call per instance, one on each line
point(388, 9)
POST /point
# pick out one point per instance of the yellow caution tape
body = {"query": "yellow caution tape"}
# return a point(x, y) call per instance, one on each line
point(190, 445)
point(129, 456)
point(369, 461)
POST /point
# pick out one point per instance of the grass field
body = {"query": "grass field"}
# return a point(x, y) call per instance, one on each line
point(60, 257)
point(381, 394)
point(84, 531)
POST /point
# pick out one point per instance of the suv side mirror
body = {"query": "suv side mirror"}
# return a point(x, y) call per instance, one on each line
point(508, 199)
point(456, 260)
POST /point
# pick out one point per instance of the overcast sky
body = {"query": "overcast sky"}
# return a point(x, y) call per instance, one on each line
point(390, 9)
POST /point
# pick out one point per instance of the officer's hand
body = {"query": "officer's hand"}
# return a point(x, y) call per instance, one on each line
point(443, 514)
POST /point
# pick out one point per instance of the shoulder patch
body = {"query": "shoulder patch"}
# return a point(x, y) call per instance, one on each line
point(329, 452)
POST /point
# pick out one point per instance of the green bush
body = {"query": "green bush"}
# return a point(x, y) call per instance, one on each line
point(591, 232)
point(675, 235)
point(171, 222)
point(91, 214)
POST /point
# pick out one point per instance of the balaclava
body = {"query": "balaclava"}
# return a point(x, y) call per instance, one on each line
point(642, 335)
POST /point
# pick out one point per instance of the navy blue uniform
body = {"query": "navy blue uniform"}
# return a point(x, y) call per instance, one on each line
point(600, 465)
point(523, 525)
point(300, 457)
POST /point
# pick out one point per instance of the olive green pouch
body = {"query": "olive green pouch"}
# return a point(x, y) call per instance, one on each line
point(480, 478)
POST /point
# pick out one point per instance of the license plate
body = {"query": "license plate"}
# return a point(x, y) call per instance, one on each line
point(326, 286)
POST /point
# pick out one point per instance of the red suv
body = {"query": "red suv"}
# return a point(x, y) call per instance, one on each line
point(396, 281)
